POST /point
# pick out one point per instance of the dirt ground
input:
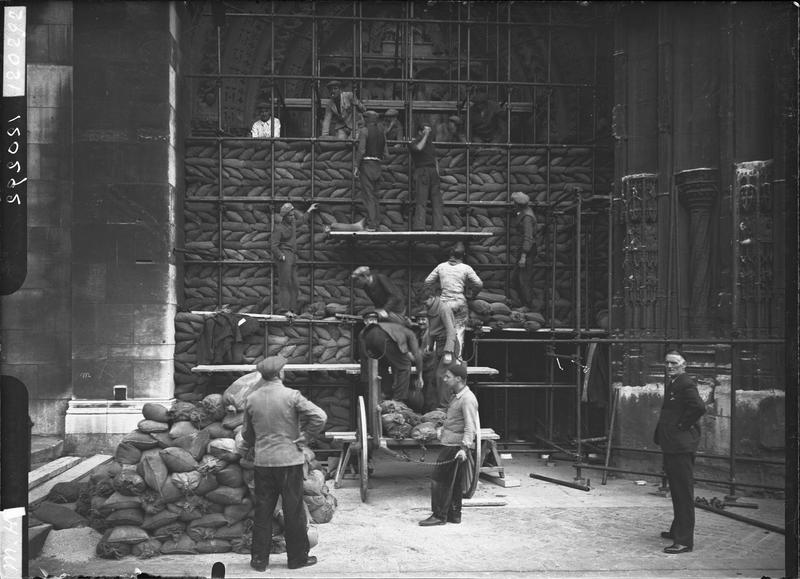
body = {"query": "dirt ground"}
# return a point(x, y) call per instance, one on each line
point(544, 529)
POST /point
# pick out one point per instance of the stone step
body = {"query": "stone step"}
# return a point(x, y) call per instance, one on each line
point(80, 470)
point(45, 448)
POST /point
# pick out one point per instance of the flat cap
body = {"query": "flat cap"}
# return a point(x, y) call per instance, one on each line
point(333, 83)
point(263, 105)
point(455, 118)
point(391, 113)
point(271, 366)
point(458, 369)
point(371, 115)
point(520, 198)
point(361, 270)
point(286, 208)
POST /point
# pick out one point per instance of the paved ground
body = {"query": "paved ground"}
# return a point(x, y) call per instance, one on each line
point(544, 530)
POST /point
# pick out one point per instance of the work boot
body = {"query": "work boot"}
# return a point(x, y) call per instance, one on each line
point(431, 521)
point(259, 565)
point(310, 560)
point(454, 517)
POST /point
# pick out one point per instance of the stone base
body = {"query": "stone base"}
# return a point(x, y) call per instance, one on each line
point(98, 426)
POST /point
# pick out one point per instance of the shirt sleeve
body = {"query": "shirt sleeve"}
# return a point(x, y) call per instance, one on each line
point(326, 122)
point(470, 409)
point(312, 418)
point(362, 147)
point(432, 277)
point(248, 434)
point(475, 281)
point(275, 240)
point(693, 406)
point(527, 233)
point(277, 127)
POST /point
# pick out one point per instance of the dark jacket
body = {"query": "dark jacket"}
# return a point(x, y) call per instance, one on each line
point(677, 430)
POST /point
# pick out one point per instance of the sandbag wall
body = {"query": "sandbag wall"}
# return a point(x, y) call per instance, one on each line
point(306, 341)
point(254, 178)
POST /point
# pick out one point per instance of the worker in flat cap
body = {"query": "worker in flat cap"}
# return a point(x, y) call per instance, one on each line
point(277, 422)
point(397, 346)
point(389, 302)
point(283, 246)
point(343, 113)
point(451, 130)
point(368, 166)
point(267, 125)
point(488, 122)
point(392, 127)
point(458, 433)
point(523, 247)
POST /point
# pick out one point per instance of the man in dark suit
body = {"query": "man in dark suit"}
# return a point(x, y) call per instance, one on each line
point(678, 435)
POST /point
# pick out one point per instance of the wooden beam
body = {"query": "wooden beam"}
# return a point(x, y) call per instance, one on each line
point(45, 472)
point(38, 494)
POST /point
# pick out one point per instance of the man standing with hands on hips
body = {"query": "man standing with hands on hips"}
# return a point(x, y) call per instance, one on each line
point(678, 435)
point(277, 421)
point(457, 437)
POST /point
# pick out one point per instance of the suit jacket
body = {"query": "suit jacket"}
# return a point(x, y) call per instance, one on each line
point(677, 430)
point(343, 114)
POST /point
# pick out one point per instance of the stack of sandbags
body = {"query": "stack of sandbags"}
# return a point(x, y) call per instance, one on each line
point(397, 419)
point(492, 309)
point(177, 484)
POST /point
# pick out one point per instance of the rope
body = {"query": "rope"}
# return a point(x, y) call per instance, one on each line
point(405, 458)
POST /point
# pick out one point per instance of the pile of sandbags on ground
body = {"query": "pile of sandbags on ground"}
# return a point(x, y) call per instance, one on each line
point(178, 485)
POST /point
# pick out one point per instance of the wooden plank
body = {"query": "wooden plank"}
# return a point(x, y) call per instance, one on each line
point(408, 235)
point(483, 503)
point(51, 469)
point(499, 480)
point(212, 368)
point(350, 436)
point(78, 471)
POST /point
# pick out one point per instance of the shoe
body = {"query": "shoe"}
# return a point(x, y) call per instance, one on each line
point(454, 518)
point(666, 535)
point(310, 560)
point(259, 566)
point(431, 521)
point(675, 548)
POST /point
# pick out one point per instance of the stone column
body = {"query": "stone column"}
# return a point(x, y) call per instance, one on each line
point(697, 191)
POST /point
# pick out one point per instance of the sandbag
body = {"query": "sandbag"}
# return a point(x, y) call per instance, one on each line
point(180, 411)
point(195, 443)
point(235, 513)
point(214, 407)
point(230, 476)
point(66, 492)
point(59, 516)
point(186, 481)
point(149, 426)
point(184, 545)
point(233, 420)
point(242, 544)
point(435, 416)
point(152, 502)
point(169, 531)
point(163, 439)
point(200, 418)
point(324, 512)
point(188, 508)
point(236, 394)
point(225, 495)
point(211, 464)
point(146, 549)
point(106, 550)
point(424, 432)
point(129, 483)
point(141, 440)
point(208, 482)
point(102, 485)
point(153, 469)
point(177, 459)
point(157, 520)
point(156, 412)
point(480, 307)
point(230, 532)
point(126, 534)
point(125, 517)
point(224, 448)
point(126, 453)
point(217, 430)
point(169, 492)
point(118, 501)
point(213, 546)
point(313, 483)
point(391, 419)
point(182, 428)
